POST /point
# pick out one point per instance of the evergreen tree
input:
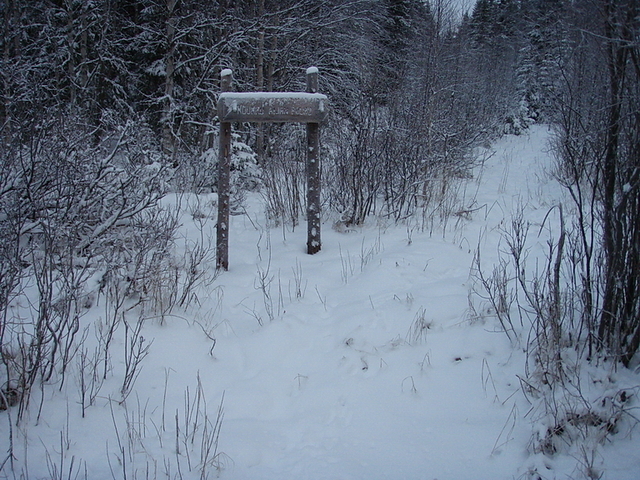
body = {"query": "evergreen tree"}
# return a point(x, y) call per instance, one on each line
point(405, 26)
point(541, 58)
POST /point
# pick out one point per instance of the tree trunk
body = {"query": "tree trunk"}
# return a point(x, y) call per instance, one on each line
point(260, 79)
point(5, 112)
point(619, 324)
point(168, 138)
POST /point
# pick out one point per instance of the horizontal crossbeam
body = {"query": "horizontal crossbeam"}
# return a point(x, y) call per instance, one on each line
point(294, 107)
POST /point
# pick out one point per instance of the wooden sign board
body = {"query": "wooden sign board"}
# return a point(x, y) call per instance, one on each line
point(272, 107)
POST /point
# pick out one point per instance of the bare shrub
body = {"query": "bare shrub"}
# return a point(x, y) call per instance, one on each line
point(193, 433)
point(68, 200)
point(283, 177)
point(419, 328)
point(498, 291)
point(571, 414)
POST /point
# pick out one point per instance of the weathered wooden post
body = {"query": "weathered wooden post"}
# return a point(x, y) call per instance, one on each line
point(313, 173)
point(224, 163)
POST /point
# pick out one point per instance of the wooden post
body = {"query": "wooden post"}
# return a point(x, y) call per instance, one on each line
point(313, 173)
point(224, 163)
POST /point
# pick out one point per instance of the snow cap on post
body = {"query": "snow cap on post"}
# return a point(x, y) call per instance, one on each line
point(312, 79)
point(226, 77)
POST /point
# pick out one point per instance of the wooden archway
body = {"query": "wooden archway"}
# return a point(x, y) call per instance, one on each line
point(298, 107)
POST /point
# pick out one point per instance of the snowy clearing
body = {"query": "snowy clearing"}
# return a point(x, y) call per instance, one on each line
point(365, 361)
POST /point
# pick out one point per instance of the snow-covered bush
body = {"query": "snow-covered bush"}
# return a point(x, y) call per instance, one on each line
point(199, 173)
point(71, 205)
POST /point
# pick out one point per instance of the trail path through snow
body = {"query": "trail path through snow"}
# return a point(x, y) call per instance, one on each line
point(376, 370)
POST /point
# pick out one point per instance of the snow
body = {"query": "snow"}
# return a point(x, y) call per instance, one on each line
point(312, 70)
point(226, 72)
point(229, 97)
point(359, 362)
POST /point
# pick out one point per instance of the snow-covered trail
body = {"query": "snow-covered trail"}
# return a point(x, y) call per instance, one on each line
point(373, 365)
point(374, 369)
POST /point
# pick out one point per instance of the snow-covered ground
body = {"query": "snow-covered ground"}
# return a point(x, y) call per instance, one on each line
point(364, 361)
